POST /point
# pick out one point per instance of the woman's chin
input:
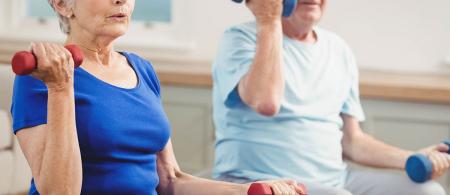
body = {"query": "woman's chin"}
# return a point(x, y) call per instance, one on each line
point(114, 32)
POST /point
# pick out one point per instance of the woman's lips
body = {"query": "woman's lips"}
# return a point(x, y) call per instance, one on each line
point(118, 17)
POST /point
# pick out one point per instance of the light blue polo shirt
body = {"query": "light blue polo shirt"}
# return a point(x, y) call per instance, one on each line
point(303, 141)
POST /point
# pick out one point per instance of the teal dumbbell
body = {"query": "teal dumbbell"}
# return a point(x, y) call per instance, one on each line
point(288, 6)
point(419, 168)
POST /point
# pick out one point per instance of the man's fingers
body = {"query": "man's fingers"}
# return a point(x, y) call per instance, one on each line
point(442, 147)
point(439, 164)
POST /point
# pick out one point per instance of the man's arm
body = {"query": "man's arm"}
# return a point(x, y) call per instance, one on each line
point(357, 144)
point(364, 149)
point(263, 86)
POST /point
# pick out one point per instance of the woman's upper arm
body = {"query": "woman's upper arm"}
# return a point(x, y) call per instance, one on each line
point(32, 143)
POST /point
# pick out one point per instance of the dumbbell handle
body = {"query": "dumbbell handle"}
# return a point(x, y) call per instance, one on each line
point(24, 62)
point(264, 189)
point(288, 6)
point(419, 168)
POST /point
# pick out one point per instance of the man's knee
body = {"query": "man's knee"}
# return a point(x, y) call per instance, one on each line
point(338, 192)
point(343, 192)
point(428, 188)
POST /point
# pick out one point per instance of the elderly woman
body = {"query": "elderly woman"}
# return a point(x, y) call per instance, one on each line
point(101, 128)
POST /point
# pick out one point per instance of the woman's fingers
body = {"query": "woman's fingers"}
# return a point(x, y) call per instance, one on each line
point(275, 189)
point(55, 65)
point(38, 49)
point(299, 189)
point(285, 187)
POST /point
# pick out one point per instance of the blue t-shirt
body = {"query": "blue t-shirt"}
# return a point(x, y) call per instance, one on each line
point(303, 141)
point(119, 130)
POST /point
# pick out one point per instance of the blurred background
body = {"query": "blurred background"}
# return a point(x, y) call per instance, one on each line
point(402, 48)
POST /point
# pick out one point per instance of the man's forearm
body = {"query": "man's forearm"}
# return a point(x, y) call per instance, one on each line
point(264, 83)
point(366, 150)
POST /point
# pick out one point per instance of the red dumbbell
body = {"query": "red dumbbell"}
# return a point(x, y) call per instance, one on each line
point(24, 62)
point(264, 189)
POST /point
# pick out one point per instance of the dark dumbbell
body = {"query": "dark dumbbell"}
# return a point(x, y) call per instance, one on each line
point(24, 62)
point(419, 168)
point(264, 189)
point(288, 6)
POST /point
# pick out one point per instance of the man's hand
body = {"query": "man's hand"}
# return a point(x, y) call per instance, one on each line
point(439, 158)
point(266, 11)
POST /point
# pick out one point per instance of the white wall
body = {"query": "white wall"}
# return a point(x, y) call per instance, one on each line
point(3, 15)
point(210, 18)
point(408, 35)
point(400, 35)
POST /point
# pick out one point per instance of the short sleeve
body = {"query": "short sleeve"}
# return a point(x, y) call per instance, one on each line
point(235, 56)
point(29, 103)
point(144, 69)
point(153, 78)
point(352, 105)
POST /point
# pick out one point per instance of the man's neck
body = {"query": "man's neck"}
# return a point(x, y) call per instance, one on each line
point(300, 32)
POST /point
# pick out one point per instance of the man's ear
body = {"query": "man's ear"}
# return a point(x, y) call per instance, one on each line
point(63, 8)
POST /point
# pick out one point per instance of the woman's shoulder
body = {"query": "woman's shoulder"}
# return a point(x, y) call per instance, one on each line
point(141, 64)
point(144, 68)
point(136, 60)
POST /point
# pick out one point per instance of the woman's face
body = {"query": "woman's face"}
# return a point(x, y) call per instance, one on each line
point(103, 17)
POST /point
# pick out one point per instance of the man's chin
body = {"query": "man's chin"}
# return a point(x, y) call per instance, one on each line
point(310, 17)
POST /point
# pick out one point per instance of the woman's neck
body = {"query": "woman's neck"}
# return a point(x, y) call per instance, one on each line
point(96, 50)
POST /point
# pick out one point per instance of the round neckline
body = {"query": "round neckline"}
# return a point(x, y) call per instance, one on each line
point(306, 45)
point(133, 67)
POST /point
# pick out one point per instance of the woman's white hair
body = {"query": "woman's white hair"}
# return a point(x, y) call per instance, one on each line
point(63, 20)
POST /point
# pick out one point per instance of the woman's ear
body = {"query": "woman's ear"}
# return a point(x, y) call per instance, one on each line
point(63, 8)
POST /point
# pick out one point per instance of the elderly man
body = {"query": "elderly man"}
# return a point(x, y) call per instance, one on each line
point(286, 105)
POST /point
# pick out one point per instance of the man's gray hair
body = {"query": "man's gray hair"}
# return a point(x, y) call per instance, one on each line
point(63, 20)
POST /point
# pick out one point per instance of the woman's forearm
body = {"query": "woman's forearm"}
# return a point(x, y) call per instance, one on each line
point(60, 170)
point(184, 184)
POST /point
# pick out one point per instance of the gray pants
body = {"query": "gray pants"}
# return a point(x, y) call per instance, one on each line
point(370, 183)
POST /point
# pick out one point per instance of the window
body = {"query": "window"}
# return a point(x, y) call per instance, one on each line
point(145, 10)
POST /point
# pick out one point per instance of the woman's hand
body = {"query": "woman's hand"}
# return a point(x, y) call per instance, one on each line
point(55, 66)
point(284, 187)
point(439, 158)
